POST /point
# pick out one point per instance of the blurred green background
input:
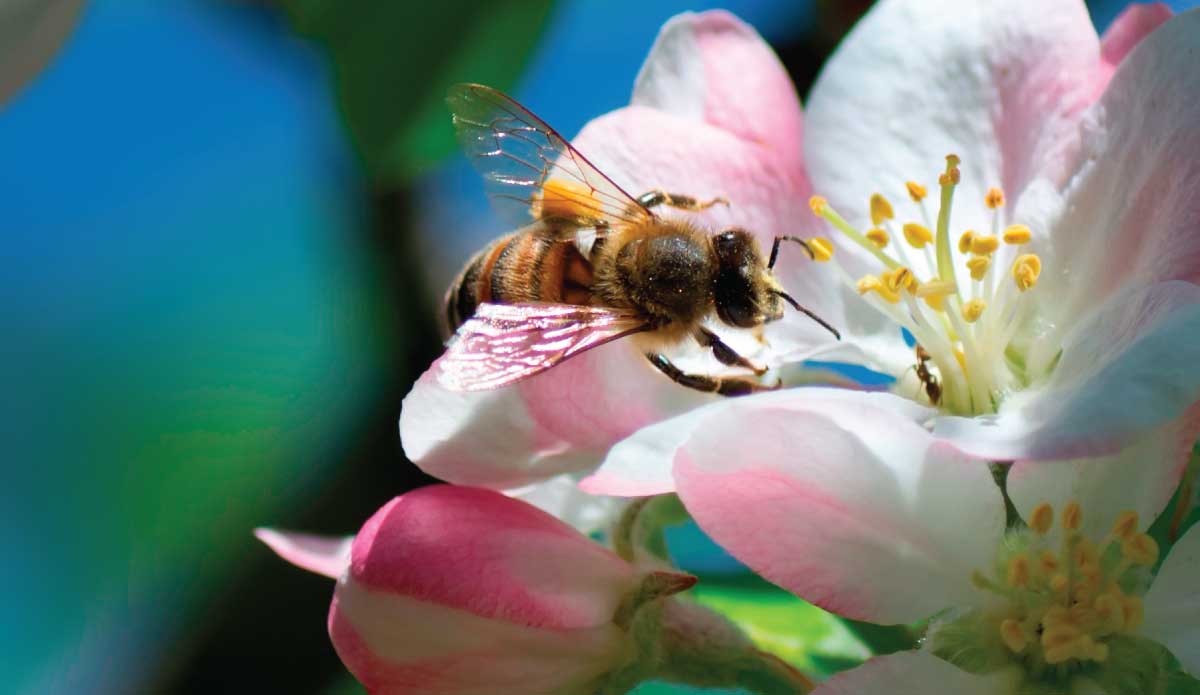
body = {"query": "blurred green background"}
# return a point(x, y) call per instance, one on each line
point(226, 226)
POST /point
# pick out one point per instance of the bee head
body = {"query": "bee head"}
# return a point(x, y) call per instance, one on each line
point(742, 290)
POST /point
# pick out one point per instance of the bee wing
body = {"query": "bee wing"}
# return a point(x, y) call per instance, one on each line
point(518, 154)
point(504, 343)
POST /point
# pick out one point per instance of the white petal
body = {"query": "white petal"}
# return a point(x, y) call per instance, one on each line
point(1126, 370)
point(1132, 208)
point(324, 555)
point(826, 497)
point(1173, 602)
point(562, 497)
point(641, 465)
point(912, 673)
point(998, 83)
point(1141, 477)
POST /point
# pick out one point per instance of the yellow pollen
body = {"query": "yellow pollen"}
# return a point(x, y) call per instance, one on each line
point(1141, 550)
point(978, 265)
point(878, 236)
point(1042, 518)
point(964, 241)
point(1013, 636)
point(871, 283)
point(1018, 571)
point(917, 235)
point(881, 209)
point(1126, 525)
point(973, 309)
point(952, 175)
point(1072, 516)
point(915, 191)
point(1026, 270)
point(818, 204)
point(822, 249)
point(994, 198)
point(983, 244)
point(1017, 234)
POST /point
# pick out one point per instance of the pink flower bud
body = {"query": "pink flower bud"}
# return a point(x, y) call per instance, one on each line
point(464, 591)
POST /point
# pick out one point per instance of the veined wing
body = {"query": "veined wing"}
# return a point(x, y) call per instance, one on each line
point(530, 170)
point(505, 343)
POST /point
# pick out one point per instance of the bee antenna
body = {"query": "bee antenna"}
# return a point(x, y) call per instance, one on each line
point(775, 250)
point(796, 305)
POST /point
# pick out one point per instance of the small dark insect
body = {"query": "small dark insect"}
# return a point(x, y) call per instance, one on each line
point(933, 388)
point(595, 264)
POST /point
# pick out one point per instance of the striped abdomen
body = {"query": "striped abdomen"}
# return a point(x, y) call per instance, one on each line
point(532, 265)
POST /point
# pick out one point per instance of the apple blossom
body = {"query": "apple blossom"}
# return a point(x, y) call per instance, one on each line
point(914, 530)
point(451, 590)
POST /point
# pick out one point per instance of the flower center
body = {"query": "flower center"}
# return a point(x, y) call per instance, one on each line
point(1062, 601)
point(965, 328)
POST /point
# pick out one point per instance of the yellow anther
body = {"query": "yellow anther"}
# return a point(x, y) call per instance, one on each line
point(1126, 525)
point(937, 302)
point(1111, 613)
point(1099, 652)
point(994, 198)
point(881, 209)
point(916, 191)
point(964, 241)
point(818, 204)
point(1017, 234)
point(1084, 554)
point(1059, 583)
point(822, 249)
point(973, 309)
point(1140, 550)
point(961, 358)
point(1072, 516)
point(878, 236)
point(1042, 518)
point(917, 235)
point(1134, 613)
point(1018, 571)
point(1012, 634)
point(1048, 562)
point(871, 283)
point(899, 279)
point(1026, 270)
point(983, 244)
point(978, 265)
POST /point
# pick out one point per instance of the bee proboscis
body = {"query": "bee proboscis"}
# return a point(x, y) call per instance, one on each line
point(595, 264)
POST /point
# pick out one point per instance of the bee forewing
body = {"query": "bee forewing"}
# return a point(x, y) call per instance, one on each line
point(518, 154)
point(505, 343)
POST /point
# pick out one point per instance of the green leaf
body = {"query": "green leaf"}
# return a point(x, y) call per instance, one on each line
point(393, 62)
point(809, 638)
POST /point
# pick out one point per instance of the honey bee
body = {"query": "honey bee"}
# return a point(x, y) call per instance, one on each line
point(933, 387)
point(591, 264)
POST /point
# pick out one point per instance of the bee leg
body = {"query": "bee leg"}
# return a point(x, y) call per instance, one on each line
point(725, 386)
point(658, 197)
point(725, 354)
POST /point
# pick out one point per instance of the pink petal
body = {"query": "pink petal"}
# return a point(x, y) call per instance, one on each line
point(324, 555)
point(826, 501)
point(496, 557)
point(1127, 369)
point(1173, 605)
point(1135, 23)
point(642, 464)
point(911, 673)
point(560, 421)
point(1133, 208)
point(714, 68)
point(1000, 84)
point(397, 645)
point(1141, 477)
